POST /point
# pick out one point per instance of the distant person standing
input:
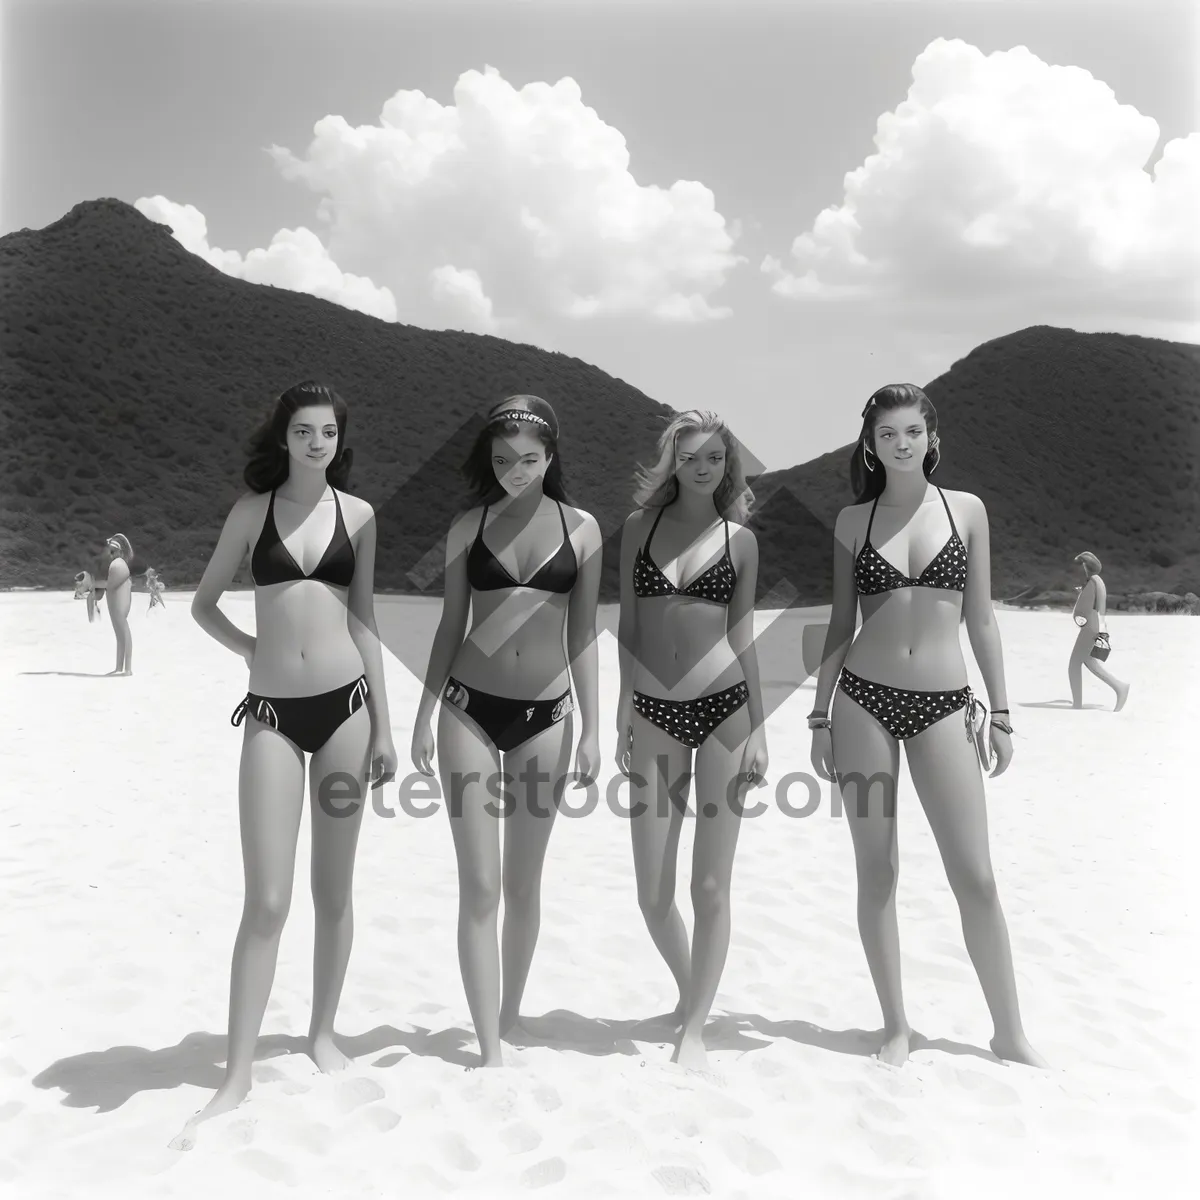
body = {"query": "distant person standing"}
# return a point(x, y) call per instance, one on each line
point(119, 588)
point(1089, 616)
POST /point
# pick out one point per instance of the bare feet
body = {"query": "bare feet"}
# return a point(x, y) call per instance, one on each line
point(1122, 696)
point(690, 1052)
point(229, 1095)
point(1017, 1049)
point(326, 1055)
point(894, 1050)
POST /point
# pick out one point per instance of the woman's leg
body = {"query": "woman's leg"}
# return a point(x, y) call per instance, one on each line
point(526, 836)
point(718, 822)
point(119, 600)
point(867, 761)
point(1079, 655)
point(658, 767)
point(340, 768)
point(1102, 673)
point(945, 772)
point(270, 800)
point(468, 762)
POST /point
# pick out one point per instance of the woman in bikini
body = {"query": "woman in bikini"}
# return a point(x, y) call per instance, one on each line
point(1089, 612)
point(526, 564)
point(902, 678)
point(119, 587)
point(689, 684)
point(316, 688)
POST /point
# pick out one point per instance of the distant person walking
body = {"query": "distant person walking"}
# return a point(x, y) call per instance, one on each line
point(1089, 616)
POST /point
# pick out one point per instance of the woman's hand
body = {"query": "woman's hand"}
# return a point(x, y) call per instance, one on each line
point(422, 748)
point(754, 759)
point(821, 755)
point(587, 760)
point(384, 760)
point(1001, 744)
point(624, 748)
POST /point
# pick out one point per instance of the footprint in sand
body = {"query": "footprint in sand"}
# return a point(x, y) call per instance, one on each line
point(267, 1166)
point(990, 1091)
point(519, 1138)
point(548, 1171)
point(457, 1154)
point(681, 1181)
point(381, 1118)
point(547, 1098)
point(749, 1155)
point(354, 1093)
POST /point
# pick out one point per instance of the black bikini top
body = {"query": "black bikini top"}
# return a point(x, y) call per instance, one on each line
point(272, 562)
point(874, 574)
point(715, 584)
point(486, 573)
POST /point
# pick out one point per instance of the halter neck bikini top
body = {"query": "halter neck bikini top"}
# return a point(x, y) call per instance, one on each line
point(272, 562)
point(873, 573)
point(716, 584)
point(486, 573)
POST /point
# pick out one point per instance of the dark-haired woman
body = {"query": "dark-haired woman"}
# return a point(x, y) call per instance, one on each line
point(915, 558)
point(316, 688)
point(689, 687)
point(527, 565)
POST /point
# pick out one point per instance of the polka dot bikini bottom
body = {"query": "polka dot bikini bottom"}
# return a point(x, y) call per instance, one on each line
point(902, 713)
point(691, 721)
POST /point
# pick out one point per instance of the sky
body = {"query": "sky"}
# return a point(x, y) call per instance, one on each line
point(769, 208)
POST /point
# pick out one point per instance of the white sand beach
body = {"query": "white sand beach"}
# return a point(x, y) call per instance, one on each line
point(122, 874)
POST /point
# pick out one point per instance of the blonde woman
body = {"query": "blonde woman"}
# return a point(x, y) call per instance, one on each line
point(689, 690)
point(1090, 606)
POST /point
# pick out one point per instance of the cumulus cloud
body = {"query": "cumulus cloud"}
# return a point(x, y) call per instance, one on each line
point(527, 192)
point(296, 259)
point(1003, 175)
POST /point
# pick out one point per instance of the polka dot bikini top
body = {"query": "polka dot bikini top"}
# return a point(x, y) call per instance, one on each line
point(874, 574)
point(715, 584)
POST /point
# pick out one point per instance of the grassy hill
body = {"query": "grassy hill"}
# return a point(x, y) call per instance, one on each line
point(132, 373)
point(1075, 442)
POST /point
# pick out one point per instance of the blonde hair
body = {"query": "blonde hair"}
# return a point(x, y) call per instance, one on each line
point(657, 485)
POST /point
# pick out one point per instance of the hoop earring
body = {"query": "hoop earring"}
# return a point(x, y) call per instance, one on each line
point(867, 456)
point(936, 450)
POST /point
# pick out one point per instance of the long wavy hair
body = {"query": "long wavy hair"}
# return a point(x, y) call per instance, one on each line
point(505, 419)
point(656, 486)
point(867, 473)
point(267, 448)
point(1090, 561)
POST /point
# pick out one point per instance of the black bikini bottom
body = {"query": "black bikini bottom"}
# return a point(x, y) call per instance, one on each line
point(903, 713)
point(506, 721)
point(691, 721)
point(307, 721)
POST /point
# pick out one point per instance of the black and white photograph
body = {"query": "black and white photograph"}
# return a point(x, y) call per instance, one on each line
point(597, 598)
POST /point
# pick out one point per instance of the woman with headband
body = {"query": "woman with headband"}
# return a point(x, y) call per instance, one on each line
point(118, 587)
point(689, 687)
point(527, 565)
point(902, 678)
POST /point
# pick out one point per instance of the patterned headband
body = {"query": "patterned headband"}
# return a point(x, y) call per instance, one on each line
point(520, 414)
